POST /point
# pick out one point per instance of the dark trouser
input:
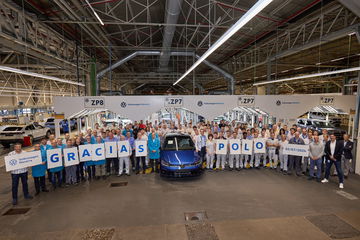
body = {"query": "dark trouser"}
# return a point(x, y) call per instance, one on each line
point(91, 171)
point(58, 176)
point(339, 171)
point(39, 183)
point(202, 154)
point(15, 184)
point(295, 161)
point(132, 158)
point(155, 164)
point(115, 163)
point(49, 174)
point(317, 163)
point(80, 172)
point(143, 162)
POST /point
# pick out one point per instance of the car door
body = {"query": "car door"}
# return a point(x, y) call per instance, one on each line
point(40, 131)
point(30, 130)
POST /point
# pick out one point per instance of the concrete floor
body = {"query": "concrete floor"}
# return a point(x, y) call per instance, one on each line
point(250, 204)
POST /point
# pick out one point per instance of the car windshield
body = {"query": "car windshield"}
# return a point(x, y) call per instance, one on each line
point(11, 129)
point(173, 143)
point(50, 120)
point(323, 124)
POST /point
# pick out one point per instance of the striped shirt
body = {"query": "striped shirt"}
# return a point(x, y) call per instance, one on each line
point(17, 171)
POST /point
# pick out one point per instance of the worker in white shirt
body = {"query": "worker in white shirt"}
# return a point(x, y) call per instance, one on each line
point(257, 156)
point(272, 144)
point(18, 174)
point(201, 145)
point(210, 151)
point(233, 157)
point(221, 158)
point(263, 155)
point(305, 160)
point(283, 157)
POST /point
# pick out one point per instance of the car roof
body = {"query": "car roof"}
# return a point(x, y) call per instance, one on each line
point(175, 134)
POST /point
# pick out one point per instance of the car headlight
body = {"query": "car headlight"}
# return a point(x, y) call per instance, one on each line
point(165, 163)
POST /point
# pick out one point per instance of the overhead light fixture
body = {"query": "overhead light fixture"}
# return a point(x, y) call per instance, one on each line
point(96, 15)
point(32, 74)
point(309, 76)
point(337, 59)
point(260, 5)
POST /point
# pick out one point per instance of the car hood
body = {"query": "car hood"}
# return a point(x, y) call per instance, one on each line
point(179, 157)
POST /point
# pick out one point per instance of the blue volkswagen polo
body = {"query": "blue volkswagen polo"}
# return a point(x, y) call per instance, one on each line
point(178, 156)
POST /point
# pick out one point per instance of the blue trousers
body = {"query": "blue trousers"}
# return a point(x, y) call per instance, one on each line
point(15, 184)
point(317, 163)
point(57, 175)
point(339, 171)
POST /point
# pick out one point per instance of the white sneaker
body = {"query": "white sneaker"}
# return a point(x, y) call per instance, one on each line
point(324, 180)
point(341, 185)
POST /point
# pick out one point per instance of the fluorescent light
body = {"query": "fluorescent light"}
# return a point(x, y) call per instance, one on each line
point(298, 68)
point(32, 74)
point(337, 59)
point(97, 16)
point(284, 71)
point(309, 76)
point(252, 12)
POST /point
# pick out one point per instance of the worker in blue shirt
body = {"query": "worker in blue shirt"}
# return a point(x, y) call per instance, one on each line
point(56, 173)
point(39, 171)
point(100, 164)
point(154, 150)
point(113, 161)
point(89, 165)
point(128, 129)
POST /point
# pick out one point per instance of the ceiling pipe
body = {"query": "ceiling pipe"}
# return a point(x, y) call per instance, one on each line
point(230, 78)
point(173, 9)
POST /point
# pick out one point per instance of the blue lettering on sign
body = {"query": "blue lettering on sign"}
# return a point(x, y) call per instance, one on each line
point(86, 153)
point(71, 156)
point(123, 149)
point(221, 146)
point(111, 149)
point(235, 146)
point(141, 148)
point(259, 145)
point(54, 157)
point(246, 147)
point(97, 152)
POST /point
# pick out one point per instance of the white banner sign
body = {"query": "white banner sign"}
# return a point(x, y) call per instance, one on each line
point(327, 101)
point(124, 149)
point(221, 146)
point(296, 150)
point(98, 152)
point(235, 146)
point(140, 148)
point(25, 159)
point(246, 146)
point(259, 145)
point(85, 152)
point(54, 158)
point(111, 149)
point(94, 102)
point(71, 156)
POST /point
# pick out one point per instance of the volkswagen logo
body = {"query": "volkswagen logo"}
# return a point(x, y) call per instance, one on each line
point(13, 162)
point(199, 103)
point(278, 102)
point(123, 104)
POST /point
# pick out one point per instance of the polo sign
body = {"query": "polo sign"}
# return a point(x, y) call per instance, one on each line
point(140, 148)
point(235, 146)
point(259, 145)
point(221, 147)
point(98, 152)
point(23, 160)
point(54, 158)
point(296, 150)
point(85, 153)
point(247, 146)
point(124, 149)
point(71, 156)
point(111, 149)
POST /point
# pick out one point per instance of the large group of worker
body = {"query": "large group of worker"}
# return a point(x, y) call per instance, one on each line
point(324, 151)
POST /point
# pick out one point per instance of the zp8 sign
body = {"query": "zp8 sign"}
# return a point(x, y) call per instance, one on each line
point(173, 102)
point(246, 101)
point(94, 102)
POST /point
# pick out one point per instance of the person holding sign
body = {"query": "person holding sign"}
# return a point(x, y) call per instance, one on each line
point(124, 156)
point(18, 174)
point(89, 165)
point(221, 151)
point(56, 172)
point(210, 152)
point(100, 164)
point(154, 150)
point(140, 153)
point(283, 157)
point(70, 170)
point(272, 144)
point(234, 146)
point(114, 161)
point(39, 171)
point(295, 160)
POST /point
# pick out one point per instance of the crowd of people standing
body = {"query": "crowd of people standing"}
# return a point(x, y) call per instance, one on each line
point(324, 151)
